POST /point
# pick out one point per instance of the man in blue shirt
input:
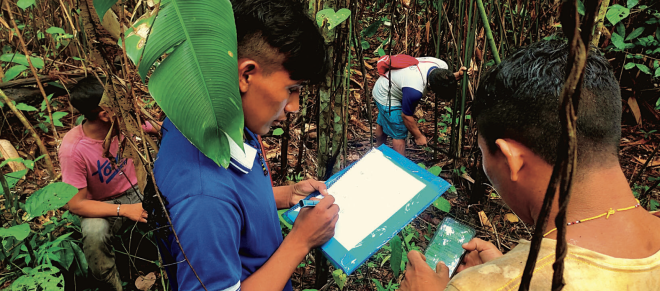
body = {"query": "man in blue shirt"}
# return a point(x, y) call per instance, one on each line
point(397, 107)
point(226, 219)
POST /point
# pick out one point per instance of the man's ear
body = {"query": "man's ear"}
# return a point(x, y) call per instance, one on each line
point(513, 155)
point(247, 68)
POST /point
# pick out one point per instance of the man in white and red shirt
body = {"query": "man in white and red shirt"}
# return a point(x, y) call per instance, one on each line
point(107, 195)
point(408, 86)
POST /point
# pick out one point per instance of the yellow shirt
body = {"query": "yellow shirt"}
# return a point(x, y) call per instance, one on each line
point(584, 270)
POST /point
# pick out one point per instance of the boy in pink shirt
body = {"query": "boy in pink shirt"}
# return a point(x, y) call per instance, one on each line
point(108, 196)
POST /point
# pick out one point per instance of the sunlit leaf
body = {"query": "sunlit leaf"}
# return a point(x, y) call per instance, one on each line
point(632, 3)
point(442, 204)
point(435, 170)
point(25, 107)
point(51, 197)
point(629, 66)
point(332, 18)
point(278, 131)
point(617, 13)
point(21, 59)
point(55, 30)
point(20, 232)
point(340, 278)
point(197, 84)
point(13, 72)
point(24, 4)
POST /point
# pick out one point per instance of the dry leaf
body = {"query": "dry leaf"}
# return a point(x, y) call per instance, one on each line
point(484, 221)
point(406, 3)
point(652, 164)
point(369, 67)
point(467, 177)
point(511, 217)
point(634, 107)
point(145, 282)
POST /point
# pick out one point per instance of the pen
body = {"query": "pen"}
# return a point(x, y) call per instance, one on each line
point(308, 203)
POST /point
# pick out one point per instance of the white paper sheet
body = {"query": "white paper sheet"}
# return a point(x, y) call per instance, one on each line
point(368, 194)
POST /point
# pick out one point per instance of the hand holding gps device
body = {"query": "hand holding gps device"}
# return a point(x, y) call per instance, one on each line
point(447, 244)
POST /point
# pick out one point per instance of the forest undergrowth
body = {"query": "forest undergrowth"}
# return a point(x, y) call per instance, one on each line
point(41, 240)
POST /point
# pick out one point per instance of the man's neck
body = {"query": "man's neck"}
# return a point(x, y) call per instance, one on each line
point(96, 129)
point(624, 234)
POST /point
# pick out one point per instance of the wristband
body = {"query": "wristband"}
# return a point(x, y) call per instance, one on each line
point(118, 206)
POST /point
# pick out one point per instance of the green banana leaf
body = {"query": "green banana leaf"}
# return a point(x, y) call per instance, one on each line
point(197, 83)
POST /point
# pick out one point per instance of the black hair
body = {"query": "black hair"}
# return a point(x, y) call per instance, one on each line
point(86, 96)
point(267, 27)
point(519, 99)
point(443, 83)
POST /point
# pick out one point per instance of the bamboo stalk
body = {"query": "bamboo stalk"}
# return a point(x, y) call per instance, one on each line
point(37, 139)
point(469, 50)
point(489, 32)
point(437, 41)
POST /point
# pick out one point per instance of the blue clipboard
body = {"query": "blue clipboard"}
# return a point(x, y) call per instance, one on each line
point(350, 260)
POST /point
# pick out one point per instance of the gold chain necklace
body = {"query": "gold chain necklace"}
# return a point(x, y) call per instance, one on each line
point(606, 214)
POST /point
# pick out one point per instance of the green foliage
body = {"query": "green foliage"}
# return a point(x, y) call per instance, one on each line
point(206, 107)
point(14, 177)
point(442, 204)
point(654, 205)
point(20, 232)
point(397, 252)
point(389, 287)
point(13, 72)
point(51, 197)
point(340, 278)
point(25, 107)
point(435, 170)
point(278, 131)
point(136, 36)
point(25, 4)
point(22, 60)
point(331, 18)
point(617, 13)
point(44, 277)
point(102, 6)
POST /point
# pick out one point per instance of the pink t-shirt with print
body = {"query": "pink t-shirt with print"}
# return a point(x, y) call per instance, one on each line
point(83, 165)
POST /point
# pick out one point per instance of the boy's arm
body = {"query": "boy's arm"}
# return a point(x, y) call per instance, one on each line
point(87, 208)
point(313, 227)
point(409, 101)
point(209, 230)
